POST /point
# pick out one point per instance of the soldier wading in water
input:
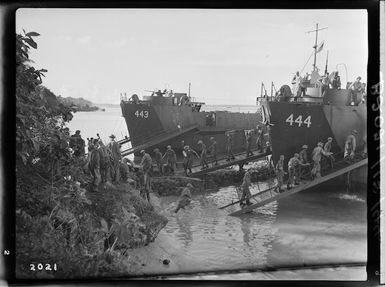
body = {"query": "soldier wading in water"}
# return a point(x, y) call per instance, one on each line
point(185, 197)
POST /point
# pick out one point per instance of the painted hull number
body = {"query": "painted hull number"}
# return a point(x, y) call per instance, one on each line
point(298, 121)
point(141, 114)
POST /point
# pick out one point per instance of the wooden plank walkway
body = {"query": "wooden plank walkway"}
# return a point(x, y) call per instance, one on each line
point(267, 197)
point(223, 163)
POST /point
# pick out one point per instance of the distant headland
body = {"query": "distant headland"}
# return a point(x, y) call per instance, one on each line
point(79, 104)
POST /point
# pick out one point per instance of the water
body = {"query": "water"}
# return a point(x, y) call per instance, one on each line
point(315, 227)
point(320, 226)
point(105, 123)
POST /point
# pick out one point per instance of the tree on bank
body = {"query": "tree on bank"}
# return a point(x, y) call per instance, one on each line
point(54, 223)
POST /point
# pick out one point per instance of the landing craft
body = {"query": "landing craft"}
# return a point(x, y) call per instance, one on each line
point(314, 115)
point(168, 118)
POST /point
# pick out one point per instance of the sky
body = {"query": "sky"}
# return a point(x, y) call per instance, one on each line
point(225, 54)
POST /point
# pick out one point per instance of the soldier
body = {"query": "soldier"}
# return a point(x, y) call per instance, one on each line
point(158, 160)
point(77, 144)
point(328, 148)
point(316, 157)
point(170, 156)
point(245, 190)
point(304, 172)
point(105, 162)
point(293, 166)
point(146, 166)
point(350, 146)
point(354, 89)
point(248, 144)
point(213, 150)
point(114, 149)
point(185, 197)
point(279, 171)
point(260, 139)
point(269, 159)
point(188, 160)
point(296, 84)
point(336, 82)
point(203, 154)
point(229, 147)
point(94, 166)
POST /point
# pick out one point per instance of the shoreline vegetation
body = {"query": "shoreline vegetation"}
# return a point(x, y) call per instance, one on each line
point(79, 104)
point(63, 231)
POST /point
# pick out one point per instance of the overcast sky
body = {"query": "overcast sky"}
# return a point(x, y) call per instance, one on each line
point(225, 54)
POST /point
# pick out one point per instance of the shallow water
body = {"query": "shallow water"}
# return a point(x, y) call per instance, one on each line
point(319, 226)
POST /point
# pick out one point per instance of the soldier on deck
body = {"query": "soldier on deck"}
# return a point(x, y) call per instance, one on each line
point(328, 148)
point(279, 171)
point(354, 89)
point(229, 147)
point(245, 190)
point(336, 82)
point(304, 172)
point(170, 157)
point(114, 148)
point(248, 144)
point(213, 150)
point(203, 154)
point(189, 157)
point(350, 146)
point(260, 139)
point(158, 160)
point(317, 153)
point(146, 165)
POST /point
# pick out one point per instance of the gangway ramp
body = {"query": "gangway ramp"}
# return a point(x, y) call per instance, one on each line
point(268, 196)
point(239, 159)
point(158, 139)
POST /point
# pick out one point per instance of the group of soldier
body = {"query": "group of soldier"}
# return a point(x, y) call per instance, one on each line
point(357, 88)
point(104, 161)
point(299, 165)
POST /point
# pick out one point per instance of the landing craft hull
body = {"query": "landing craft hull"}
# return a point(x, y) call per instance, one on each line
point(294, 124)
point(158, 118)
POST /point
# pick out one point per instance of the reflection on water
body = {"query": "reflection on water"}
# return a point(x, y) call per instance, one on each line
point(319, 226)
point(207, 234)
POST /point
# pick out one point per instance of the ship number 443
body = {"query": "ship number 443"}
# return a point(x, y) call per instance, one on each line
point(142, 114)
point(299, 121)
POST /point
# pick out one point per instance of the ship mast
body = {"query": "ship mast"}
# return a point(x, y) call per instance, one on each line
point(315, 45)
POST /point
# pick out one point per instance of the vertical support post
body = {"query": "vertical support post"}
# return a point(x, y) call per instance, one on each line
point(348, 182)
point(315, 47)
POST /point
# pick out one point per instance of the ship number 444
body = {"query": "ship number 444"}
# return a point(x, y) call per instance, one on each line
point(299, 121)
point(142, 114)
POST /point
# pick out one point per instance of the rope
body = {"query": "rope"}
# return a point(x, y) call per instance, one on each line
point(306, 62)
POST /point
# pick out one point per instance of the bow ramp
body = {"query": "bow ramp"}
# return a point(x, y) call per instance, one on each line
point(157, 139)
point(270, 195)
point(239, 159)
